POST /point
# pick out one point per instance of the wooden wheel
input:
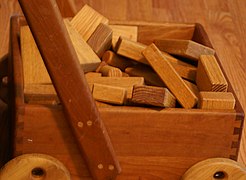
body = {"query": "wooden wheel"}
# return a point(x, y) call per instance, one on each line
point(216, 168)
point(34, 167)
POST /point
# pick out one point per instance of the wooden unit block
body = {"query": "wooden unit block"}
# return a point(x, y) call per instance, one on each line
point(33, 65)
point(109, 94)
point(87, 20)
point(151, 95)
point(124, 82)
point(170, 77)
point(133, 50)
point(130, 32)
point(150, 76)
point(87, 57)
point(216, 100)
point(209, 75)
point(117, 61)
point(101, 39)
point(184, 48)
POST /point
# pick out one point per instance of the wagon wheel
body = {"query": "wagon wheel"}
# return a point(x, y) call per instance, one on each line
point(34, 167)
point(216, 168)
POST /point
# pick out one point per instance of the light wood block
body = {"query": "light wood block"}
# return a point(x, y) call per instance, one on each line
point(117, 61)
point(133, 50)
point(124, 82)
point(184, 48)
point(87, 57)
point(87, 20)
point(109, 94)
point(209, 75)
point(129, 32)
point(33, 66)
point(216, 100)
point(170, 77)
point(193, 87)
point(151, 95)
point(101, 39)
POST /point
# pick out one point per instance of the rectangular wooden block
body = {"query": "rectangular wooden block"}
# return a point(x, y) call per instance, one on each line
point(184, 48)
point(115, 60)
point(209, 75)
point(151, 95)
point(87, 20)
point(133, 50)
point(92, 74)
point(101, 39)
point(170, 77)
point(87, 57)
point(124, 82)
point(33, 66)
point(109, 94)
point(216, 100)
point(129, 32)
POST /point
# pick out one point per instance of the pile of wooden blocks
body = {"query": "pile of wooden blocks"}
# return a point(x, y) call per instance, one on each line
point(121, 71)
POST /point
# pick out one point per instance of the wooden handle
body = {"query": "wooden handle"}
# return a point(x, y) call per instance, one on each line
point(60, 59)
point(216, 168)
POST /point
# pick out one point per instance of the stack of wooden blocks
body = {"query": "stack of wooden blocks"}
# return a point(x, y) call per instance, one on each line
point(121, 71)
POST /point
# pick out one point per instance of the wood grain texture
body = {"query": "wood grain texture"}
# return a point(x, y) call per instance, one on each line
point(176, 140)
point(210, 76)
point(129, 32)
point(87, 57)
point(115, 60)
point(133, 50)
point(101, 39)
point(86, 21)
point(34, 166)
point(110, 71)
point(218, 168)
point(62, 64)
point(222, 19)
point(33, 65)
point(216, 100)
point(124, 82)
point(184, 48)
point(109, 94)
point(170, 77)
point(151, 95)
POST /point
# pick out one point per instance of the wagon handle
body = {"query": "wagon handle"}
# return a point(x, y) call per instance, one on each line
point(62, 63)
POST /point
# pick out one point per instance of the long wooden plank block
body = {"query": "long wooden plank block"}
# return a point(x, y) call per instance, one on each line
point(124, 82)
point(109, 94)
point(130, 32)
point(63, 66)
point(151, 95)
point(170, 77)
point(101, 39)
point(209, 75)
point(87, 20)
point(87, 57)
point(133, 50)
point(216, 100)
point(184, 48)
point(33, 66)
